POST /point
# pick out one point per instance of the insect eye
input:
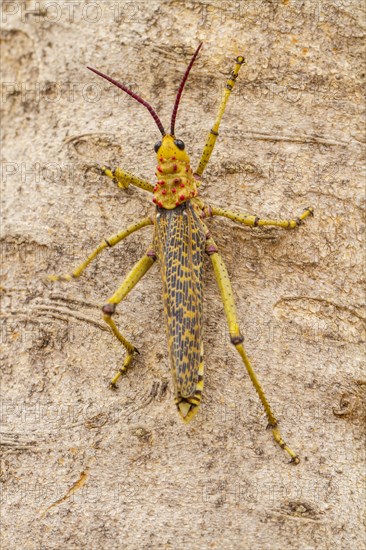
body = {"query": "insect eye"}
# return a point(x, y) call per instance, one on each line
point(157, 146)
point(179, 143)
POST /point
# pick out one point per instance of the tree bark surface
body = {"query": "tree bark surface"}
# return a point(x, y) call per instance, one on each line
point(87, 467)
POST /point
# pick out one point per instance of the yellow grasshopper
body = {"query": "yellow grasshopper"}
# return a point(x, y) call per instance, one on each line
point(181, 239)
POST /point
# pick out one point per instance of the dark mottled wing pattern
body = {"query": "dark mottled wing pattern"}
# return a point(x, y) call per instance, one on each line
point(180, 244)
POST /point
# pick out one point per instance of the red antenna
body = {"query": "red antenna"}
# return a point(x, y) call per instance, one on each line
point(135, 96)
point(180, 90)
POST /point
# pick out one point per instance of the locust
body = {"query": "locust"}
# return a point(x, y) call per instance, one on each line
point(181, 240)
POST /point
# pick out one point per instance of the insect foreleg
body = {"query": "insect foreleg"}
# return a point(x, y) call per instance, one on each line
point(124, 179)
point(214, 132)
point(236, 338)
point(255, 221)
point(136, 273)
point(109, 242)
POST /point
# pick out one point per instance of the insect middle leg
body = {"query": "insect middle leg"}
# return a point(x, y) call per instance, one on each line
point(134, 276)
point(109, 242)
point(236, 338)
point(255, 221)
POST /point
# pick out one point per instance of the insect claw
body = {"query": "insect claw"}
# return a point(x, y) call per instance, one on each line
point(136, 351)
point(112, 386)
point(294, 460)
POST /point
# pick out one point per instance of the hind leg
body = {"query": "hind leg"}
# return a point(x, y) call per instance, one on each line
point(223, 282)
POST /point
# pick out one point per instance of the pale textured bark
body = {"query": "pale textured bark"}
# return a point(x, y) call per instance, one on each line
point(84, 467)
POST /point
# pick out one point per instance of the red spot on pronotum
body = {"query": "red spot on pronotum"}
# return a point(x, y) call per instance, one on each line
point(155, 188)
point(161, 182)
point(163, 192)
point(175, 167)
point(182, 197)
point(161, 159)
point(174, 158)
point(154, 200)
point(176, 180)
point(160, 204)
point(174, 190)
point(159, 169)
point(187, 168)
point(177, 203)
point(182, 184)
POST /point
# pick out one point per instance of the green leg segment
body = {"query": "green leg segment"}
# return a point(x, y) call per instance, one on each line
point(124, 179)
point(214, 132)
point(109, 242)
point(254, 221)
point(136, 273)
point(236, 338)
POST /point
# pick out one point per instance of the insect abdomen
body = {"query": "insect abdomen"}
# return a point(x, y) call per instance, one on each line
point(180, 246)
